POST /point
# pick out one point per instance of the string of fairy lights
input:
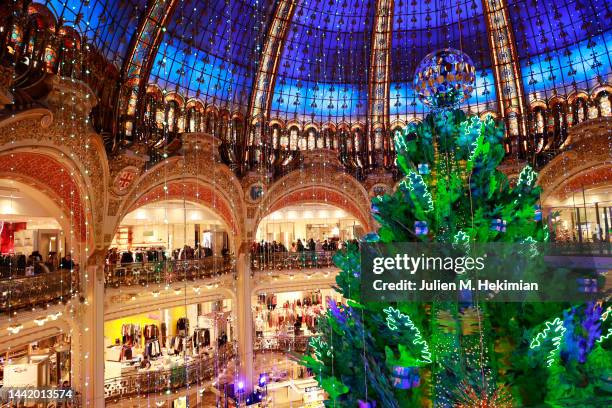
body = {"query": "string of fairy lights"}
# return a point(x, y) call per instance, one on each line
point(322, 78)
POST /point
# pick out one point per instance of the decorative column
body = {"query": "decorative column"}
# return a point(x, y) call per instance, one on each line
point(138, 65)
point(92, 332)
point(507, 70)
point(379, 81)
point(245, 316)
point(263, 86)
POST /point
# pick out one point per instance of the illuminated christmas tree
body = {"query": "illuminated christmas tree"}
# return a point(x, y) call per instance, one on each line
point(448, 354)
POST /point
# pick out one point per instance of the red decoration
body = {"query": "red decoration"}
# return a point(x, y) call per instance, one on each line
point(589, 179)
point(52, 178)
point(7, 235)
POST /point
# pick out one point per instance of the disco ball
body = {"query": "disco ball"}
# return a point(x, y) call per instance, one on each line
point(445, 78)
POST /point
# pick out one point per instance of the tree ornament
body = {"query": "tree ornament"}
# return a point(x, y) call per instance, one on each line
point(538, 213)
point(420, 228)
point(423, 168)
point(405, 369)
point(445, 78)
point(498, 225)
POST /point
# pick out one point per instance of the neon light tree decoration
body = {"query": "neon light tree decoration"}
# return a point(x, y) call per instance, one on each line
point(463, 353)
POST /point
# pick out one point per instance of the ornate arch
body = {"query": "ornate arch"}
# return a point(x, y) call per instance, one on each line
point(155, 90)
point(176, 97)
point(198, 177)
point(277, 121)
point(195, 103)
point(53, 179)
point(600, 88)
point(38, 149)
point(586, 162)
point(318, 184)
point(192, 190)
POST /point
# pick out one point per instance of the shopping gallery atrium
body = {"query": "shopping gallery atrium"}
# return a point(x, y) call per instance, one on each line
point(187, 188)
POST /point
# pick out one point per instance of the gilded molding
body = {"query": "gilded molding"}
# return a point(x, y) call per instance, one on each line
point(506, 68)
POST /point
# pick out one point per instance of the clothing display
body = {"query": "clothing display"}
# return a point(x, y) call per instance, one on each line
point(179, 344)
point(304, 311)
point(151, 331)
point(182, 326)
point(130, 334)
point(164, 331)
point(138, 255)
point(201, 339)
point(126, 353)
point(152, 349)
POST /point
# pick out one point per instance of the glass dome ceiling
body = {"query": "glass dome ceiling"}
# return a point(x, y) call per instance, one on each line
point(212, 49)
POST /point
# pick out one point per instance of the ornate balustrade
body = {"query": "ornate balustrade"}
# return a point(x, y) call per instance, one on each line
point(167, 271)
point(18, 292)
point(196, 371)
point(267, 261)
point(282, 343)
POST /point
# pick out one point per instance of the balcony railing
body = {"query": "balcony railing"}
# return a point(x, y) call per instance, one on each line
point(167, 271)
point(266, 261)
point(196, 371)
point(18, 292)
point(282, 343)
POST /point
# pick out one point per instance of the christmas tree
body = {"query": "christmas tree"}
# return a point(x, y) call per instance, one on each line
point(456, 354)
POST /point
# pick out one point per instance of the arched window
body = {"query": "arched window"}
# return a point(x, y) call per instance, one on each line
point(192, 120)
point(36, 42)
point(16, 39)
point(275, 134)
point(538, 121)
point(284, 139)
point(378, 139)
point(335, 141)
point(172, 115)
point(557, 119)
point(50, 59)
point(343, 140)
point(327, 139)
point(348, 140)
point(357, 140)
point(320, 140)
point(604, 104)
point(222, 128)
point(211, 123)
point(236, 129)
point(580, 110)
point(160, 115)
point(201, 121)
point(293, 137)
point(150, 110)
point(312, 137)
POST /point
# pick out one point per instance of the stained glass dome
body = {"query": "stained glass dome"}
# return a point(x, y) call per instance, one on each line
point(322, 61)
